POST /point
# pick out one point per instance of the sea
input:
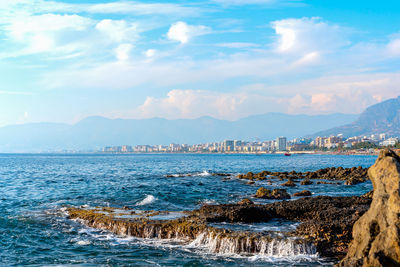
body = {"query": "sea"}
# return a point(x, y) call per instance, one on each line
point(35, 190)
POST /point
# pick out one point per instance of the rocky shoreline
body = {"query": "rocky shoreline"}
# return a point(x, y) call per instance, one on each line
point(325, 224)
point(317, 232)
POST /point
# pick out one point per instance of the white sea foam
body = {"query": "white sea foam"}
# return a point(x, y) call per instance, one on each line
point(83, 242)
point(204, 173)
point(148, 200)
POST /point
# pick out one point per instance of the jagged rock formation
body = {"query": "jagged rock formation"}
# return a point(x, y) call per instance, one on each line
point(351, 176)
point(326, 224)
point(193, 230)
point(377, 233)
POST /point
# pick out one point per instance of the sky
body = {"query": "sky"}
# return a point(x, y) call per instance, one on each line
point(62, 61)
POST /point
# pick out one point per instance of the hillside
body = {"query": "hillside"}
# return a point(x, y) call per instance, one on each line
point(383, 117)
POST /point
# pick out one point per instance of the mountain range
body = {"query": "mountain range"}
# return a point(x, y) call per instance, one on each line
point(383, 117)
point(93, 133)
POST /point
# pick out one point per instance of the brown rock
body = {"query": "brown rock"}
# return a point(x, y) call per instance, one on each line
point(376, 235)
point(306, 182)
point(245, 201)
point(274, 194)
point(304, 193)
point(289, 183)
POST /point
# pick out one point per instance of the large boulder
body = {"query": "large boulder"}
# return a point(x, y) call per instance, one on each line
point(274, 194)
point(376, 235)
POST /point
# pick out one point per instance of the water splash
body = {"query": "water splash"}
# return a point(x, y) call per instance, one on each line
point(148, 200)
point(275, 247)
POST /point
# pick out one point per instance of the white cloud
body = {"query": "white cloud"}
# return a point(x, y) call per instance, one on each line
point(21, 28)
point(307, 59)
point(306, 35)
point(182, 32)
point(150, 53)
point(394, 47)
point(138, 8)
point(118, 30)
point(113, 7)
point(245, 2)
point(196, 103)
point(237, 45)
point(45, 33)
point(122, 52)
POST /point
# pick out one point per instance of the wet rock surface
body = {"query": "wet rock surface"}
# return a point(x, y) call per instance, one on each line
point(326, 223)
point(377, 233)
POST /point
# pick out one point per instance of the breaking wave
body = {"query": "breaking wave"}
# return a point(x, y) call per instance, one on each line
point(148, 200)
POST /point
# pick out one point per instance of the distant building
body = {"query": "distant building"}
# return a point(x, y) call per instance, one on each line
point(237, 145)
point(228, 145)
point(126, 149)
point(319, 141)
point(281, 143)
point(332, 142)
point(389, 142)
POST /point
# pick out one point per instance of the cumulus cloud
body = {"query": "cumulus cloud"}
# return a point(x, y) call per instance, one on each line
point(182, 32)
point(196, 103)
point(122, 52)
point(306, 35)
point(46, 33)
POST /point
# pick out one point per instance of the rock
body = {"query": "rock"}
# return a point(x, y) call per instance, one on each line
point(262, 192)
point(376, 235)
point(325, 221)
point(352, 176)
point(245, 201)
point(369, 194)
point(306, 182)
point(274, 194)
point(250, 182)
point(289, 183)
point(304, 193)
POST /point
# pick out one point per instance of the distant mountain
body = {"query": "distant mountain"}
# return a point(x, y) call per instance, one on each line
point(97, 132)
point(383, 117)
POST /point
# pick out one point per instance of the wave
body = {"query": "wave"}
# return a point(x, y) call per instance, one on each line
point(147, 200)
point(203, 173)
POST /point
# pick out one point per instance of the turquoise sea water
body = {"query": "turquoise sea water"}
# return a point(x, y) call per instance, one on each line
point(35, 189)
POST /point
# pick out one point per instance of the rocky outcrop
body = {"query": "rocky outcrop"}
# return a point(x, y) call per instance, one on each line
point(351, 176)
point(377, 233)
point(326, 224)
point(274, 194)
point(290, 183)
point(304, 193)
point(193, 230)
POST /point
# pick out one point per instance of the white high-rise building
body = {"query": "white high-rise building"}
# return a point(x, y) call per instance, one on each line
point(281, 143)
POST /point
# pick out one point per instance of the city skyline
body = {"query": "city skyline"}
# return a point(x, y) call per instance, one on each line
point(62, 61)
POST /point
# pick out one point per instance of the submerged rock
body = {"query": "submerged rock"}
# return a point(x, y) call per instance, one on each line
point(274, 194)
point(306, 182)
point(377, 233)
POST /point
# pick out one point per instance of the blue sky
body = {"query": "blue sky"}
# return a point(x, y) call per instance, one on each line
point(61, 61)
